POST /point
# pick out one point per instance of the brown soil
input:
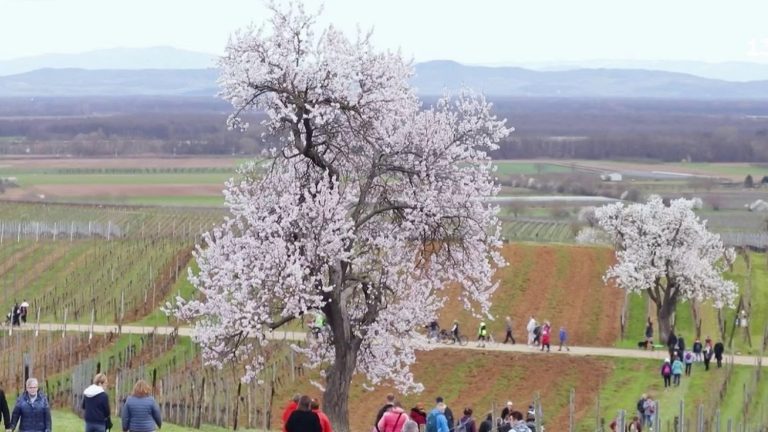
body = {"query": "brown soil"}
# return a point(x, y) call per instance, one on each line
point(486, 380)
point(557, 283)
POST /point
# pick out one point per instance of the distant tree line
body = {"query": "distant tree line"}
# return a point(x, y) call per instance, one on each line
point(663, 130)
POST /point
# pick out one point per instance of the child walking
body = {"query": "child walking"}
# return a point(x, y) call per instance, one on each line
point(563, 339)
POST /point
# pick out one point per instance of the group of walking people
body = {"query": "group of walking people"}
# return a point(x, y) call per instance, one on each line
point(32, 412)
point(539, 334)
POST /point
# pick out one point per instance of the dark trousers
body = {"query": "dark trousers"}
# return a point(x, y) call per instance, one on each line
point(667, 380)
point(719, 361)
point(688, 369)
point(509, 337)
point(676, 379)
point(706, 363)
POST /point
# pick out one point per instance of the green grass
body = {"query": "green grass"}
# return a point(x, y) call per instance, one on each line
point(66, 421)
point(33, 179)
point(725, 169)
point(161, 200)
point(512, 167)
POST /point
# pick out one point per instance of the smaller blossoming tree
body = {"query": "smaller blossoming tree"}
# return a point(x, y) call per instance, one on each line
point(667, 252)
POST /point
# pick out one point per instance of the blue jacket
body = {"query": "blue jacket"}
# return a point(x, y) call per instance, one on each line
point(442, 422)
point(141, 414)
point(35, 416)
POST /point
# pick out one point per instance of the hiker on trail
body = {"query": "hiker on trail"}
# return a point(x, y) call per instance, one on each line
point(418, 414)
point(434, 330)
point(140, 412)
point(672, 343)
point(697, 350)
point(487, 424)
point(482, 334)
point(680, 346)
point(290, 408)
point(388, 404)
point(708, 342)
point(303, 419)
point(508, 337)
point(688, 360)
point(32, 412)
point(4, 412)
point(649, 414)
point(635, 425)
point(96, 405)
point(507, 410)
point(436, 421)
point(707, 357)
point(393, 420)
point(518, 424)
point(677, 371)
point(719, 348)
point(545, 334)
point(666, 373)
point(16, 315)
point(23, 309)
point(446, 412)
point(641, 405)
point(455, 332)
point(325, 422)
point(649, 334)
point(531, 327)
point(563, 339)
point(466, 423)
point(411, 426)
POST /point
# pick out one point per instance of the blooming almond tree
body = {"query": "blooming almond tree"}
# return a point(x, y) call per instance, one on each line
point(368, 206)
point(667, 252)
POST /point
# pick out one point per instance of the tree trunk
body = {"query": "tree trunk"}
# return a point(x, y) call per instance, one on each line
point(664, 313)
point(336, 396)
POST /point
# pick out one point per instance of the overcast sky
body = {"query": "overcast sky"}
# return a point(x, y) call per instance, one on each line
point(472, 31)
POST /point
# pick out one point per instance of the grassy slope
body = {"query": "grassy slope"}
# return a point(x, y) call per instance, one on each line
point(64, 421)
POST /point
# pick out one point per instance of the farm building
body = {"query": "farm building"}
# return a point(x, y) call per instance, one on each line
point(613, 177)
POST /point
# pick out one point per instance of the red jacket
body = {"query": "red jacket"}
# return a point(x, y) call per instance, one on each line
point(324, 421)
point(545, 335)
point(291, 407)
point(419, 416)
point(393, 420)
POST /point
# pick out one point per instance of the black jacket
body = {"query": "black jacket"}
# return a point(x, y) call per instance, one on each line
point(96, 406)
point(4, 411)
point(303, 421)
point(719, 350)
point(449, 416)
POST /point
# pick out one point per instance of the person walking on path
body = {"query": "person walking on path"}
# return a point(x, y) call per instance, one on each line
point(325, 422)
point(487, 424)
point(698, 350)
point(530, 328)
point(719, 348)
point(688, 360)
point(666, 373)
point(672, 344)
point(466, 423)
point(677, 371)
point(411, 426)
point(388, 404)
point(563, 339)
point(436, 421)
point(707, 357)
point(418, 414)
point(546, 331)
point(96, 405)
point(290, 408)
point(508, 337)
point(649, 334)
point(641, 405)
point(650, 411)
point(4, 412)
point(303, 419)
point(140, 412)
point(482, 334)
point(393, 420)
point(32, 412)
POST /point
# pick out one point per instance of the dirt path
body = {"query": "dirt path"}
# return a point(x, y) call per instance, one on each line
point(577, 351)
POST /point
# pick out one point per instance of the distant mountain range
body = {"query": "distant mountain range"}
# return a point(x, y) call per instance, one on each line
point(109, 73)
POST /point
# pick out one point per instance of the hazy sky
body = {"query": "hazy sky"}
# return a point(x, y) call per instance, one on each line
point(472, 31)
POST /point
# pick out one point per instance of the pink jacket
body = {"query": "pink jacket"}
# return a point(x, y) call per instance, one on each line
point(393, 420)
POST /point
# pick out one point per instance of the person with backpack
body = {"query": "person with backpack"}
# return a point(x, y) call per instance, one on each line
point(393, 420)
point(446, 412)
point(677, 371)
point(635, 425)
point(482, 334)
point(436, 421)
point(388, 404)
point(672, 343)
point(649, 415)
point(688, 359)
point(641, 405)
point(418, 414)
point(666, 373)
point(466, 423)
